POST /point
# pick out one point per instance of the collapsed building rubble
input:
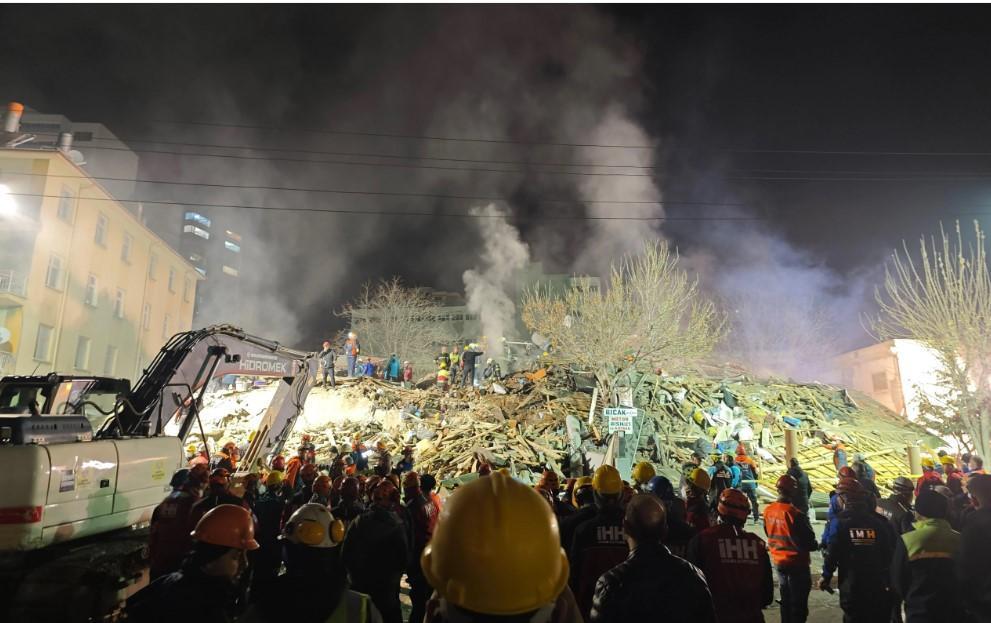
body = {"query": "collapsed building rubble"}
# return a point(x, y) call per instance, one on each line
point(528, 421)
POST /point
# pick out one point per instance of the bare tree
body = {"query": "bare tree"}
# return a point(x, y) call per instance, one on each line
point(650, 315)
point(391, 318)
point(942, 298)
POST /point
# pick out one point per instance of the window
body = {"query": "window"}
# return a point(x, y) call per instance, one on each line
point(125, 249)
point(229, 271)
point(233, 236)
point(165, 326)
point(195, 258)
point(43, 345)
point(119, 304)
point(230, 246)
point(196, 231)
point(110, 361)
point(65, 203)
point(196, 217)
point(82, 353)
point(201, 271)
point(53, 278)
point(146, 317)
point(187, 287)
point(102, 224)
point(171, 279)
point(91, 291)
point(880, 381)
point(153, 267)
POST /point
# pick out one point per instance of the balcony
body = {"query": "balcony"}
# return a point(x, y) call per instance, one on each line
point(13, 286)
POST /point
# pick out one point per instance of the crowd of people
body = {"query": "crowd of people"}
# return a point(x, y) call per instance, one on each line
point(338, 544)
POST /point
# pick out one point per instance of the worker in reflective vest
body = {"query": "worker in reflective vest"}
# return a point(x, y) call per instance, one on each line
point(790, 539)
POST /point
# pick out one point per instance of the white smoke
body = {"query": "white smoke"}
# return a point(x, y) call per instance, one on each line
point(487, 286)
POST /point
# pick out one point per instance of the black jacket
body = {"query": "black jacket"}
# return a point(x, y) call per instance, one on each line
point(375, 550)
point(862, 550)
point(181, 595)
point(801, 499)
point(652, 585)
point(898, 515)
point(922, 572)
point(568, 524)
point(348, 510)
point(973, 563)
point(598, 546)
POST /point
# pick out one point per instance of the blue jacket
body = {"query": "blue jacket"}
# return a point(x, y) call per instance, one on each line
point(393, 368)
point(737, 476)
point(832, 522)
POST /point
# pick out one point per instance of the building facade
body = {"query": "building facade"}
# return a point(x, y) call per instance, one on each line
point(85, 287)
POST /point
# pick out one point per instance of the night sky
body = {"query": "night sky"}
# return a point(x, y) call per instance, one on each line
point(736, 99)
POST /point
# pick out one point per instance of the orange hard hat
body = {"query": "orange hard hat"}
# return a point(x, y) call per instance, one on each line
point(322, 485)
point(198, 473)
point(226, 525)
point(411, 481)
point(734, 503)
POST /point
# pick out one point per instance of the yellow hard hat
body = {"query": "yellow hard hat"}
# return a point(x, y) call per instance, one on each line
point(947, 460)
point(274, 478)
point(583, 481)
point(928, 462)
point(643, 472)
point(191, 448)
point(700, 478)
point(496, 549)
point(607, 480)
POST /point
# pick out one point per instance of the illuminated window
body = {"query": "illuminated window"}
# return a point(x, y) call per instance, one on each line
point(196, 217)
point(102, 224)
point(232, 235)
point(43, 344)
point(125, 248)
point(82, 353)
point(229, 271)
point(91, 291)
point(201, 271)
point(119, 304)
point(53, 277)
point(230, 246)
point(65, 202)
point(196, 231)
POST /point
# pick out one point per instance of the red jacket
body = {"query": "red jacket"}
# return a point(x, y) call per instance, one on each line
point(169, 540)
point(929, 478)
point(738, 571)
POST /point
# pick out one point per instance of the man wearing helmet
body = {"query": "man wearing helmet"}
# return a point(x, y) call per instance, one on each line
point(218, 492)
point(897, 507)
point(735, 562)
point(790, 539)
point(314, 587)
point(350, 506)
point(679, 533)
point(862, 550)
point(171, 522)
point(420, 512)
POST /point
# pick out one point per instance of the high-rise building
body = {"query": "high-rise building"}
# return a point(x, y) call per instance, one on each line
point(213, 246)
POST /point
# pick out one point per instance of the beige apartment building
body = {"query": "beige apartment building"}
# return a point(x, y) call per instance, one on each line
point(85, 288)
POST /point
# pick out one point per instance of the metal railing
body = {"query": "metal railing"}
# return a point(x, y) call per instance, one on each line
point(12, 282)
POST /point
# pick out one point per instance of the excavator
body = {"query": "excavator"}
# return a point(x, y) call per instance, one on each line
point(85, 460)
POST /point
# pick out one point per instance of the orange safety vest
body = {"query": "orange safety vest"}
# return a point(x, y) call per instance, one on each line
point(779, 522)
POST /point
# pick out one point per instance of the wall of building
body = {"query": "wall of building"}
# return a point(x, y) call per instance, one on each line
point(100, 292)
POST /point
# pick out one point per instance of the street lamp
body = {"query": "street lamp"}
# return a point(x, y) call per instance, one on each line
point(8, 207)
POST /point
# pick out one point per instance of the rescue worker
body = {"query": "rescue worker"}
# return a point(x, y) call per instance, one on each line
point(327, 358)
point(598, 544)
point(952, 475)
point(492, 370)
point(551, 483)
point(922, 569)
point(696, 503)
point(976, 465)
point(407, 373)
point(897, 507)
point(651, 584)
point(406, 463)
point(694, 462)
point(929, 478)
point(314, 587)
point(392, 369)
point(322, 489)
point(735, 563)
point(269, 511)
point(383, 460)
point(839, 455)
point(862, 551)
point(352, 348)
point(679, 533)
point(972, 577)
point(804, 491)
point(722, 478)
point(790, 540)
point(307, 476)
point(443, 377)
point(218, 492)
point(749, 475)
point(860, 459)
point(252, 489)
point(454, 365)
point(833, 513)
point(865, 477)
point(226, 457)
point(428, 483)
point(583, 499)
point(468, 359)
point(350, 505)
point(208, 581)
point(171, 523)
point(290, 482)
point(443, 358)
point(376, 552)
point(422, 521)
point(496, 556)
point(641, 475)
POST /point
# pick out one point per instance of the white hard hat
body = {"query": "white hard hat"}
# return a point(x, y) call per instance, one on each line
point(352, 334)
point(313, 525)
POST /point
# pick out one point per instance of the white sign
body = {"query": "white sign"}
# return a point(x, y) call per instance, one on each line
point(619, 419)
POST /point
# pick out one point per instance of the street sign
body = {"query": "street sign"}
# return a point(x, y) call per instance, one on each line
point(619, 419)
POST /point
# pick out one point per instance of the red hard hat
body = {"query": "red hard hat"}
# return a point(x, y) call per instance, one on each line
point(734, 503)
point(198, 473)
point(787, 485)
point(850, 486)
point(322, 485)
point(411, 481)
point(226, 525)
point(350, 489)
point(847, 472)
point(279, 463)
point(385, 493)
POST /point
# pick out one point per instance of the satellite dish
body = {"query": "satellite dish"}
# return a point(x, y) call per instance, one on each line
point(4, 335)
point(77, 157)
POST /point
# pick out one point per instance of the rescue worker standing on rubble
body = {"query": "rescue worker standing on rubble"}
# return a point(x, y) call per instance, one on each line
point(722, 479)
point(651, 584)
point(269, 510)
point(327, 358)
point(376, 552)
point(790, 540)
point(735, 563)
point(598, 544)
point(352, 348)
point(208, 581)
point(171, 522)
point(469, 357)
point(862, 550)
point(922, 570)
point(422, 521)
point(314, 587)
point(496, 558)
point(804, 485)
